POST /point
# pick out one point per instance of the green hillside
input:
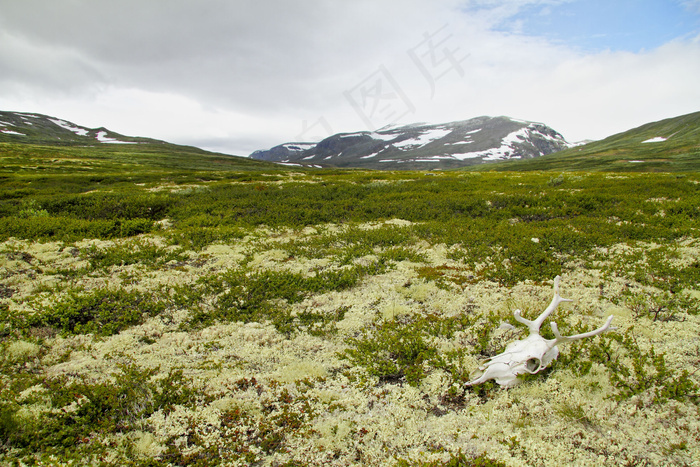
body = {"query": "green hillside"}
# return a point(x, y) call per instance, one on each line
point(627, 151)
point(33, 143)
point(141, 158)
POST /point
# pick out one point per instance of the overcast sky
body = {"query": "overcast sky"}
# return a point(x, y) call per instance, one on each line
point(240, 75)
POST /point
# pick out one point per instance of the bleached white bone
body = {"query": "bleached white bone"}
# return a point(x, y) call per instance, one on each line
point(534, 353)
point(534, 326)
point(559, 339)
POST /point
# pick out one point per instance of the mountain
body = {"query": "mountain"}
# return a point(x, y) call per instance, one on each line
point(423, 146)
point(35, 141)
point(669, 145)
point(20, 127)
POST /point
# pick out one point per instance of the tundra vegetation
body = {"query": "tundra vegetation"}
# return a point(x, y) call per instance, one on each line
point(247, 315)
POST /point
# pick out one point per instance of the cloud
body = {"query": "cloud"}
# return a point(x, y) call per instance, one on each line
point(248, 74)
point(609, 92)
point(692, 5)
point(252, 54)
point(27, 64)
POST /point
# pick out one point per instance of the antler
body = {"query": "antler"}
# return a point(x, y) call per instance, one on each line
point(534, 326)
point(559, 339)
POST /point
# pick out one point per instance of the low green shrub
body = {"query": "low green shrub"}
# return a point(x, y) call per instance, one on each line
point(102, 312)
point(70, 229)
point(658, 306)
point(249, 296)
point(132, 252)
point(656, 266)
point(646, 371)
point(110, 206)
point(89, 410)
point(198, 237)
point(314, 323)
point(392, 352)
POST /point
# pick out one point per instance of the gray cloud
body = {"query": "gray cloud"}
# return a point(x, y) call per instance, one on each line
point(252, 54)
point(26, 63)
point(248, 74)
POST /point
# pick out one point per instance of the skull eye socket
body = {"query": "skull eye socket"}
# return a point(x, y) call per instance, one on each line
point(532, 365)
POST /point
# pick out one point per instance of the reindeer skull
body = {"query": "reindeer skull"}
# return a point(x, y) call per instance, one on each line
point(532, 354)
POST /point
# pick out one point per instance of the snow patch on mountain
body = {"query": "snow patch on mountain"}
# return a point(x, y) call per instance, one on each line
point(10, 132)
point(509, 144)
point(371, 155)
point(469, 155)
point(383, 137)
point(299, 146)
point(580, 143)
point(421, 140)
point(67, 126)
point(516, 137)
point(657, 139)
point(491, 155)
point(103, 138)
point(519, 121)
point(352, 135)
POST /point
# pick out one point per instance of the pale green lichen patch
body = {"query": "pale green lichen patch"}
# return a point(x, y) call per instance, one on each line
point(339, 344)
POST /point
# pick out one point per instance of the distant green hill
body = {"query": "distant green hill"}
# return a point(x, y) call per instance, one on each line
point(670, 145)
point(35, 143)
point(46, 159)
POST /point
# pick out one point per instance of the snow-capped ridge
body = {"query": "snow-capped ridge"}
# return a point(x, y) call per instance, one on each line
point(421, 145)
point(44, 129)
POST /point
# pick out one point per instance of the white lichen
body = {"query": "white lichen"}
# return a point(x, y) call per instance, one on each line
point(260, 374)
